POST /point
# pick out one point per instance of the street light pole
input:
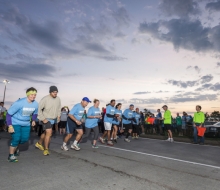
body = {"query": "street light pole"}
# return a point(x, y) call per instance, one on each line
point(5, 82)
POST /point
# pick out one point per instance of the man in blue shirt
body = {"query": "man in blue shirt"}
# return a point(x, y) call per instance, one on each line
point(18, 120)
point(108, 120)
point(74, 121)
point(127, 121)
point(136, 123)
point(158, 122)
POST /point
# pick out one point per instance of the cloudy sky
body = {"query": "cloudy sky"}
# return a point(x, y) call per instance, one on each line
point(146, 52)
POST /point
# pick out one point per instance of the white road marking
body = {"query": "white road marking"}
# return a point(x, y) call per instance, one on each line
point(214, 146)
point(164, 157)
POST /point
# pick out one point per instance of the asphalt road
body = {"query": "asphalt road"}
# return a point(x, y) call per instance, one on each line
point(140, 164)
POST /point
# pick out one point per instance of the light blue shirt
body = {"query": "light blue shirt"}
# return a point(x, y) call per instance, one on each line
point(21, 110)
point(77, 111)
point(115, 121)
point(109, 110)
point(92, 122)
point(137, 117)
point(128, 114)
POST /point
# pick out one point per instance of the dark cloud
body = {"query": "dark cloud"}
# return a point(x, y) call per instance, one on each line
point(213, 87)
point(161, 91)
point(121, 17)
point(184, 33)
point(139, 93)
point(112, 58)
point(213, 6)
point(183, 84)
point(218, 64)
point(205, 97)
point(96, 48)
point(27, 71)
point(147, 101)
point(186, 84)
point(196, 68)
point(181, 8)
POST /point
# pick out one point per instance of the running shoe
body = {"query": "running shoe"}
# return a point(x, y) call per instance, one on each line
point(75, 147)
point(110, 143)
point(12, 158)
point(17, 152)
point(94, 146)
point(46, 152)
point(127, 140)
point(168, 140)
point(64, 148)
point(39, 146)
point(133, 137)
point(137, 137)
point(171, 140)
point(115, 140)
point(101, 140)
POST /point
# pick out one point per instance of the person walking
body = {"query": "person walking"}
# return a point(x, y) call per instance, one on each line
point(74, 123)
point(18, 121)
point(93, 116)
point(198, 121)
point(48, 113)
point(167, 119)
point(136, 123)
point(179, 124)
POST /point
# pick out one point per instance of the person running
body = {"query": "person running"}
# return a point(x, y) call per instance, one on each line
point(63, 119)
point(198, 121)
point(179, 124)
point(18, 121)
point(74, 123)
point(116, 122)
point(48, 113)
point(93, 116)
point(136, 124)
point(167, 119)
point(2, 120)
point(127, 121)
point(108, 119)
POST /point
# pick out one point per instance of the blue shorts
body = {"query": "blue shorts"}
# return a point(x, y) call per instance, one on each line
point(71, 125)
point(20, 136)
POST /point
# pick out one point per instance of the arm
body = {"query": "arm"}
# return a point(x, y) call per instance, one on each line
point(41, 116)
point(74, 119)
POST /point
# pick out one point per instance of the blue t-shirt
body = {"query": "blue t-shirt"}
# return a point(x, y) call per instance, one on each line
point(77, 111)
point(109, 110)
point(137, 117)
point(115, 121)
point(21, 110)
point(158, 116)
point(128, 114)
point(183, 120)
point(92, 122)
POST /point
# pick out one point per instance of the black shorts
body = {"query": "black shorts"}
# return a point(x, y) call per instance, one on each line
point(167, 127)
point(62, 124)
point(115, 125)
point(127, 126)
point(71, 125)
point(47, 125)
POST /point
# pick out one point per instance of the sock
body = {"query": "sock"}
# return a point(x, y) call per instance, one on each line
point(75, 142)
point(127, 135)
point(64, 144)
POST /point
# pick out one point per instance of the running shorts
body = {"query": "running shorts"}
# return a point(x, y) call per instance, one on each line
point(71, 125)
point(108, 126)
point(167, 126)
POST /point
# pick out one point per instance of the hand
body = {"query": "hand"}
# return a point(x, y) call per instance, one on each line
point(78, 122)
point(45, 121)
point(117, 115)
point(11, 129)
point(33, 123)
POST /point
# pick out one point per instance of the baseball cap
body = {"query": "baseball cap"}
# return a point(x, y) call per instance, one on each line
point(86, 99)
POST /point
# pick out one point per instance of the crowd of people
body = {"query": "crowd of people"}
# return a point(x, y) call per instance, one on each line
point(111, 121)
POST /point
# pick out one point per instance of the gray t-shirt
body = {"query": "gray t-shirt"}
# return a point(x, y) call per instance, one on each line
point(64, 115)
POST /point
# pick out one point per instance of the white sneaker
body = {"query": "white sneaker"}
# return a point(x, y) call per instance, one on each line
point(168, 140)
point(64, 148)
point(75, 147)
point(127, 140)
point(171, 140)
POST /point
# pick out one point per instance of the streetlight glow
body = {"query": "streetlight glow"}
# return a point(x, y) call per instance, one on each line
point(5, 81)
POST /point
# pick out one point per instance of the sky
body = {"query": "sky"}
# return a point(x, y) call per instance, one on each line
point(146, 52)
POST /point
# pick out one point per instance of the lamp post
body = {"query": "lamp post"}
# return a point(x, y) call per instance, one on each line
point(5, 81)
